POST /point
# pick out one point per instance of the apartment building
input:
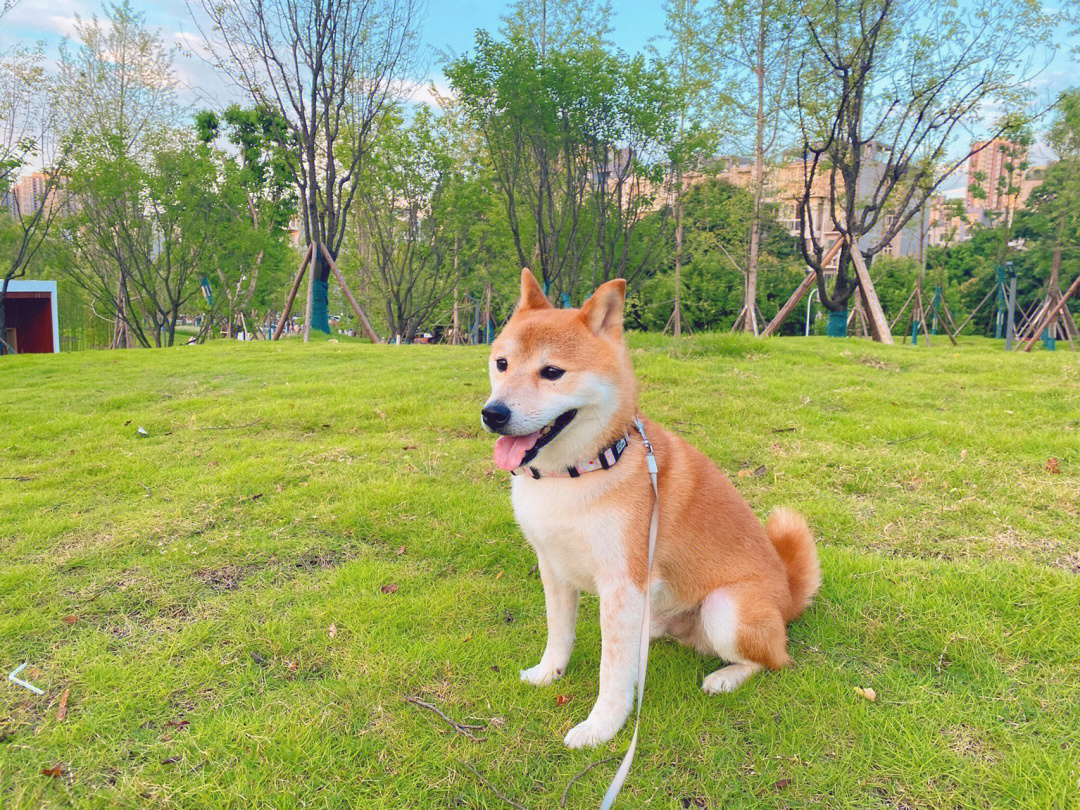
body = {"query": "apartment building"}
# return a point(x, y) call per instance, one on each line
point(784, 187)
point(996, 183)
point(25, 196)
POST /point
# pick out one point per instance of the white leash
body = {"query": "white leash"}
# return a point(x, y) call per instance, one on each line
point(646, 622)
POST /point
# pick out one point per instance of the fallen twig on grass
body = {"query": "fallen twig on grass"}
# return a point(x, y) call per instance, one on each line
point(461, 728)
point(909, 438)
point(562, 800)
point(494, 789)
point(230, 427)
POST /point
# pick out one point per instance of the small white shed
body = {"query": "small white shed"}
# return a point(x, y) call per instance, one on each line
point(30, 319)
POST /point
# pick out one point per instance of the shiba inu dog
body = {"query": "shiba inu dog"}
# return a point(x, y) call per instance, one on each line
point(564, 399)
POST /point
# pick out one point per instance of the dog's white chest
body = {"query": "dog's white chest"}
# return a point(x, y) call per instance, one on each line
point(579, 537)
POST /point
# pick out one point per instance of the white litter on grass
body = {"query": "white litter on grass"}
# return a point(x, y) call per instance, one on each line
point(142, 431)
point(13, 677)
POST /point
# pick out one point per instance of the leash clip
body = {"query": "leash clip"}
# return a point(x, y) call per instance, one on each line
point(650, 459)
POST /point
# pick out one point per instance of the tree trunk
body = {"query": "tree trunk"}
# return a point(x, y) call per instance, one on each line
point(676, 323)
point(320, 298)
point(750, 303)
point(318, 283)
point(455, 335)
point(487, 314)
point(310, 304)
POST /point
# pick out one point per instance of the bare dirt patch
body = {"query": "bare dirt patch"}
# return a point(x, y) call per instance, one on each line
point(226, 578)
point(968, 742)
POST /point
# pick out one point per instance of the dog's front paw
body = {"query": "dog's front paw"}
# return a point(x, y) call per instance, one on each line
point(589, 734)
point(541, 674)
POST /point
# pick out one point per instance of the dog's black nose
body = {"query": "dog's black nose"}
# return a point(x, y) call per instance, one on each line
point(496, 415)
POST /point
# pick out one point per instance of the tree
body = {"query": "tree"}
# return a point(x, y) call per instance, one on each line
point(259, 170)
point(406, 219)
point(117, 85)
point(160, 225)
point(575, 139)
point(884, 85)
point(718, 219)
point(1050, 223)
point(329, 68)
point(756, 38)
point(483, 249)
point(29, 134)
point(633, 135)
point(118, 80)
point(691, 66)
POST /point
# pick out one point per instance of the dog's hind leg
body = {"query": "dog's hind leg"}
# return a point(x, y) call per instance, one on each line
point(562, 604)
point(745, 628)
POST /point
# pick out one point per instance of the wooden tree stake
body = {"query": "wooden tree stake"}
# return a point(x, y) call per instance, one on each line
point(1055, 310)
point(310, 297)
point(735, 326)
point(292, 295)
point(800, 291)
point(364, 322)
point(977, 308)
point(879, 327)
point(901, 312)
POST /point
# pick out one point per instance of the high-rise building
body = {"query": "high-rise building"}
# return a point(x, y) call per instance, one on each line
point(26, 195)
point(996, 169)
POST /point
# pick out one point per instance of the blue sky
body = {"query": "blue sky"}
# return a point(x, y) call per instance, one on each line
point(448, 26)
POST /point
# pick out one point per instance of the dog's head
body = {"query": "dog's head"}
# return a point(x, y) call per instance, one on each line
point(562, 385)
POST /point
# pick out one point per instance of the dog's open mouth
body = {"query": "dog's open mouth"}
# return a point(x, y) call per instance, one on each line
point(513, 451)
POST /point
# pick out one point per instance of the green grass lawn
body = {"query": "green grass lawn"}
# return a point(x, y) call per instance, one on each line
point(183, 585)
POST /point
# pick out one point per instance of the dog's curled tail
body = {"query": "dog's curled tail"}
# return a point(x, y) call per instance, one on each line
point(792, 540)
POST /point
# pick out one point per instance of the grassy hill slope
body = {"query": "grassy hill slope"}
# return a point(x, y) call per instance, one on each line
point(240, 600)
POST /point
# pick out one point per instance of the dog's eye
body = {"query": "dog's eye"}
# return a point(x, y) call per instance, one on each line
point(551, 372)
point(500, 364)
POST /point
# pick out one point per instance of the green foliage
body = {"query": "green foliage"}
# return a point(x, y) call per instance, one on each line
point(253, 263)
point(263, 140)
point(408, 231)
point(1064, 135)
point(145, 233)
point(717, 218)
point(576, 140)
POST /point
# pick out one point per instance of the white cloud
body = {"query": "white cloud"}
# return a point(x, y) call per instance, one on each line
point(425, 92)
point(191, 43)
point(39, 19)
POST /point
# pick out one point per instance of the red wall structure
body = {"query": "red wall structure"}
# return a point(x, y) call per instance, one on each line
point(30, 315)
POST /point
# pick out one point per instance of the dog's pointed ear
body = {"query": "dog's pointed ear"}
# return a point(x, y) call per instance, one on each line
point(603, 312)
point(532, 296)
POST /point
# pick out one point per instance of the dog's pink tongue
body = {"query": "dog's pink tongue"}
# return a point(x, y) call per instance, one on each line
point(510, 450)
